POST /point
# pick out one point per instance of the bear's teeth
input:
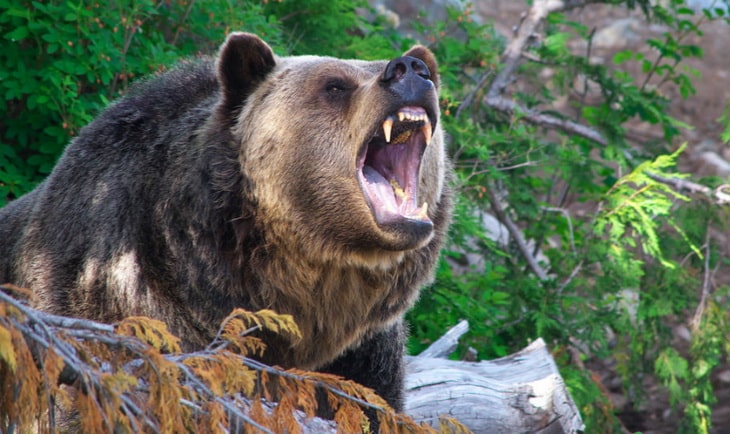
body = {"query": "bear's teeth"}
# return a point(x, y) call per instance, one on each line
point(423, 211)
point(387, 128)
point(426, 129)
point(403, 115)
point(398, 190)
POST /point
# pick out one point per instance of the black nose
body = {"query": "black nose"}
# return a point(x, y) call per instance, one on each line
point(399, 68)
point(407, 78)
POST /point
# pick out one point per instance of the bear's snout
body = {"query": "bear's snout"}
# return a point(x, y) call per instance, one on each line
point(409, 80)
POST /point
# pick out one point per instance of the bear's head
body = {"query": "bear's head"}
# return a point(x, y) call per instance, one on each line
point(344, 157)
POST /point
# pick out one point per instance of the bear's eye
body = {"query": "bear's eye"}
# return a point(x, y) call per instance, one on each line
point(337, 87)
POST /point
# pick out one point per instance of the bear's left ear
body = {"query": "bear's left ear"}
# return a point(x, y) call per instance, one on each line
point(423, 53)
point(243, 63)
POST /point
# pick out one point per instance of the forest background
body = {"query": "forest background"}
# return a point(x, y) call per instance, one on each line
point(592, 202)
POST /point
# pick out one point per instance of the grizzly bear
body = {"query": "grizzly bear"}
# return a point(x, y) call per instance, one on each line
point(312, 186)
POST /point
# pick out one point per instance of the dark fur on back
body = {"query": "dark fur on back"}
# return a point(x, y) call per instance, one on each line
point(197, 193)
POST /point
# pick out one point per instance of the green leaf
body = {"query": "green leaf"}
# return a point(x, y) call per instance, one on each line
point(18, 34)
point(623, 56)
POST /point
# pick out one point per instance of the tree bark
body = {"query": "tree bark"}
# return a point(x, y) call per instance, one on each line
point(522, 392)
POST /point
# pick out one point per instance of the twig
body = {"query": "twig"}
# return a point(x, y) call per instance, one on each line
point(226, 404)
point(681, 184)
point(512, 54)
point(182, 22)
point(469, 100)
point(586, 81)
point(515, 233)
point(565, 214)
point(721, 193)
point(697, 318)
point(446, 344)
point(570, 278)
point(511, 57)
point(534, 117)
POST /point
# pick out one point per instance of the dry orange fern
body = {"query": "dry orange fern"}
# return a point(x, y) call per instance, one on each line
point(132, 377)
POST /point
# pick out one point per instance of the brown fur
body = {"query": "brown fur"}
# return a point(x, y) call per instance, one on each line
point(233, 184)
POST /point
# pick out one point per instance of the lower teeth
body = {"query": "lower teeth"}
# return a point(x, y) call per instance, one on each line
point(398, 190)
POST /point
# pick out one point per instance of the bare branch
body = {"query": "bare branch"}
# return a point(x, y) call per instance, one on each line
point(511, 58)
point(720, 194)
point(705, 294)
point(570, 278)
point(565, 214)
point(469, 100)
point(510, 107)
point(446, 344)
point(681, 184)
point(526, 32)
point(515, 232)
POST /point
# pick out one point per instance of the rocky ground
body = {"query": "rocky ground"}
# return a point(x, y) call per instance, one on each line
point(620, 29)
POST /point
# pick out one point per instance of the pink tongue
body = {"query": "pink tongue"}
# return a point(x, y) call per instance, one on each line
point(380, 189)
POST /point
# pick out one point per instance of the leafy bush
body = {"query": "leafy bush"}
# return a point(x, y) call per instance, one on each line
point(62, 62)
point(604, 255)
point(607, 254)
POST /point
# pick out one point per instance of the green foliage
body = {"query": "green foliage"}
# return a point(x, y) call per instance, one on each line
point(625, 253)
point(633, 206)
point(725, 121)
point(62, 62)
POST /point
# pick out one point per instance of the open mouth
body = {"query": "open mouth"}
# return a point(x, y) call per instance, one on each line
point(389, 166)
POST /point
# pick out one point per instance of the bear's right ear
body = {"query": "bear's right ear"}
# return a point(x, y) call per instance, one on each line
point(243, 63)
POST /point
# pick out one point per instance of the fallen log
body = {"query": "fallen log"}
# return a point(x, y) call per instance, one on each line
point(520, 393)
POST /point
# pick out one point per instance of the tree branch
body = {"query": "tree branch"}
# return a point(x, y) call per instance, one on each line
point(510, 107)
point(705, 294)
point(526, 32)
point(515, 232)
point(446, 344)
point(721, 193)
point(511, 58)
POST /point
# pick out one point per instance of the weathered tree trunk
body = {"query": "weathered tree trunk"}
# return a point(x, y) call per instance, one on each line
point(520, 393)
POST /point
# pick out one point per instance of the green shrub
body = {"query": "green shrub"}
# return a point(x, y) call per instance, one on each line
point(62, 62)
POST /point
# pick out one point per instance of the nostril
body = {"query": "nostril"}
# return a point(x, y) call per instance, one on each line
point(400, 69)
point(420, 68)
point(402, 66)
point(396, 69)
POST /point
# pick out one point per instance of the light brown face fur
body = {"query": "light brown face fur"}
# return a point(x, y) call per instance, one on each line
point(317, 200)
point(329, 255)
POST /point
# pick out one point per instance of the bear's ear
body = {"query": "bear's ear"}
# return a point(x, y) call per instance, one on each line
point(423, 53)
point(243, 63)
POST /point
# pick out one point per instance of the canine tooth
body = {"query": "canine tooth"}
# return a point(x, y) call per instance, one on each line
point(398, 190)
point(423, 211)
point(426, 129)
point(387, 128)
